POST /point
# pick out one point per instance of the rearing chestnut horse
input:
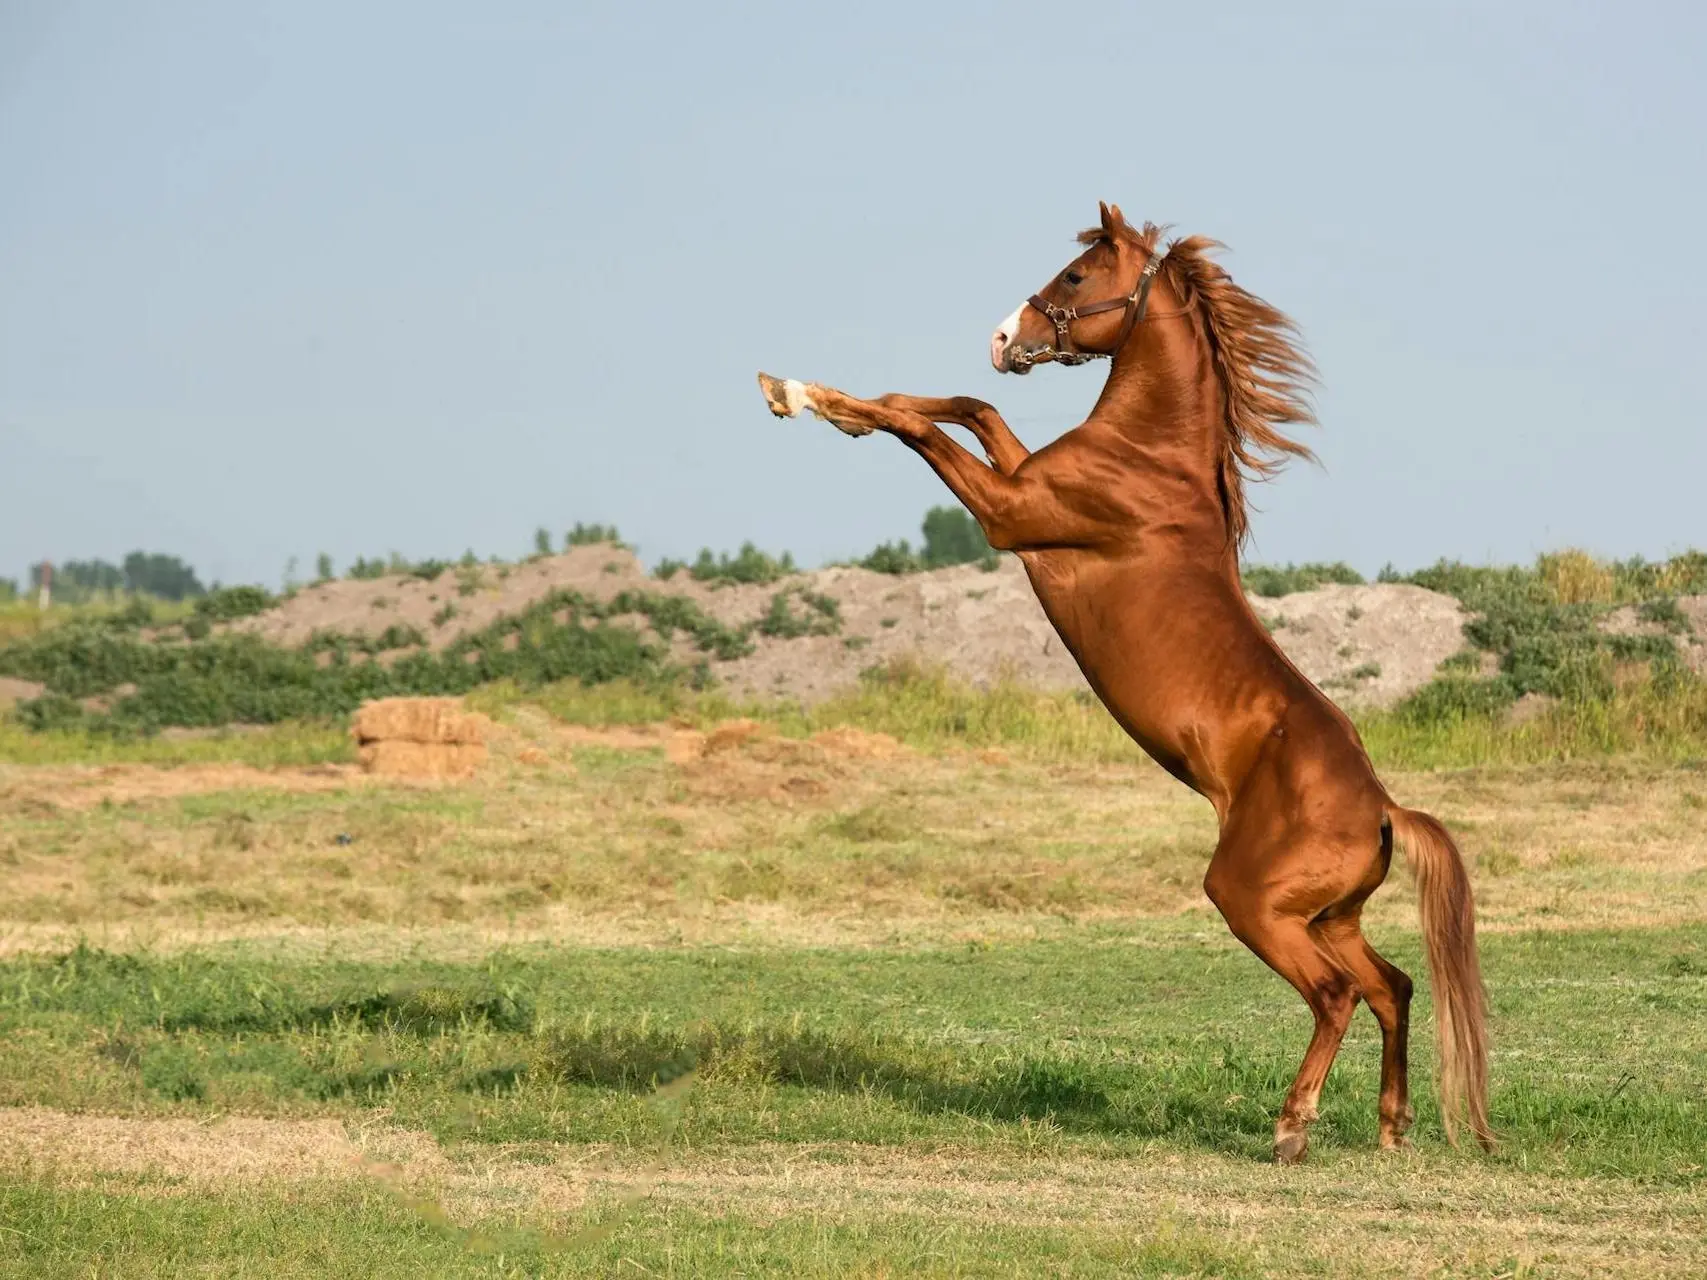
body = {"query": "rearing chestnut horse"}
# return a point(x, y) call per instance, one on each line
point(1129, 527)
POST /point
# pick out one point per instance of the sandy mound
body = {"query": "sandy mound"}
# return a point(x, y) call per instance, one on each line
point(1366, 646)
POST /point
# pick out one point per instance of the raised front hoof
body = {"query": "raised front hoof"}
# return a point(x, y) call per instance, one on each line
point(1290, 1146)
point(783, 397)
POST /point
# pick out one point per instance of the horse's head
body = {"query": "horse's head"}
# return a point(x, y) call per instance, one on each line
point(1090, 306)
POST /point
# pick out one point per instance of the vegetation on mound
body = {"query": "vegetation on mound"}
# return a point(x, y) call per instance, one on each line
point(106, 674)
point(151, 683)
point(1545, 627)
point(1272, 580)
point(748, 566)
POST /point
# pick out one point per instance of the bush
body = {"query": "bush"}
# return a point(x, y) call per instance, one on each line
point(894, 557)
point(952, 537)
point(823, 616)
point(747, 566)
point(225, 604)
point(1282, 580)
point(586, 535)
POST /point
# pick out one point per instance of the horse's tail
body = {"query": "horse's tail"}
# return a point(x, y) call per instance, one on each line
point(1460, 1003)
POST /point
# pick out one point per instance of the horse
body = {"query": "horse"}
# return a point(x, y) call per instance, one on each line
point(1130, 527)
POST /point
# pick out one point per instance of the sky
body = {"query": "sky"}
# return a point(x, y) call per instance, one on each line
point(279, 279)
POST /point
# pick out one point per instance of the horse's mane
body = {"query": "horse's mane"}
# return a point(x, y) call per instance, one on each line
point(1265, 373)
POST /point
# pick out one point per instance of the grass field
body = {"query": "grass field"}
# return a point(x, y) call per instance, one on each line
point(809, 1004)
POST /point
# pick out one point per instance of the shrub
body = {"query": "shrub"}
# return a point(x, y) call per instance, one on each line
point(1282, 580)
point(951, 536)
point(893, 557)
point(823, 616)
point(223, 604)
point(586, 535)
point(748, 566)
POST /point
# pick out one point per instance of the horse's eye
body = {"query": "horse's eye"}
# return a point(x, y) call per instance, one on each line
point(1072, 277)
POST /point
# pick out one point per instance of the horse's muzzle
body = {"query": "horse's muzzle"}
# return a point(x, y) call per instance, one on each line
point(1009, 356)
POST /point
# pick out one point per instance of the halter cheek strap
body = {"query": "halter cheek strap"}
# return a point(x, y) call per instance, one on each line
point(1134, 304)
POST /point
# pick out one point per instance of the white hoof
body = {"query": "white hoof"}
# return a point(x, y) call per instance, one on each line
point(785, 397)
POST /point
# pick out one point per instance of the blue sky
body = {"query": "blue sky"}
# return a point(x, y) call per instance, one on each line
point(278, 279)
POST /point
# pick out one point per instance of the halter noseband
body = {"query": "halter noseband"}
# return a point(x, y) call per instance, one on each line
point(1133, 304)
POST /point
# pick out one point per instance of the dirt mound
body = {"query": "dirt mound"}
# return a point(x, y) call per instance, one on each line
point(1366, 646)
point(420, 738)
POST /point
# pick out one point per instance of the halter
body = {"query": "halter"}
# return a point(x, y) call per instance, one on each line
point(1133, 304)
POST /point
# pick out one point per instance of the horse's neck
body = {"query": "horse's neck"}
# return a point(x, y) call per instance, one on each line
point(1163, 413)
point(1162, 391)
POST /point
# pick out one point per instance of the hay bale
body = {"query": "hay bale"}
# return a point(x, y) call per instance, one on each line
point(395, 759)
point(420, 720)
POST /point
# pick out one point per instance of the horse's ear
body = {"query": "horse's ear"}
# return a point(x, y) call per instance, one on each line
point(1110, 218)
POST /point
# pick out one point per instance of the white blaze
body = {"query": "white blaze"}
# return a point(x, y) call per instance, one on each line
point(1004, 337)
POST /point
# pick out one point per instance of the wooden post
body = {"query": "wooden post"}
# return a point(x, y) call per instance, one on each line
point(45, 596)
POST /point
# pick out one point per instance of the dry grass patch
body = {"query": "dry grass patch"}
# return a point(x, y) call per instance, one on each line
point(665, 832)
point(1360, 1214)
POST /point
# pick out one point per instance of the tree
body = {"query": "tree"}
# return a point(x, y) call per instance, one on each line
point(166, 577)
point(952, 536)
point(75, 581)
point(323, 568)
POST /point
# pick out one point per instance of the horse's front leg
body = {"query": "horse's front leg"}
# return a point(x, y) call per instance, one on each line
point(1001, 446)
point(1019, 511)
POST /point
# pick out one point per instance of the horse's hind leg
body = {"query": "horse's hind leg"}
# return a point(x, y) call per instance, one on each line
point(1387, 990)
point(1286, 942)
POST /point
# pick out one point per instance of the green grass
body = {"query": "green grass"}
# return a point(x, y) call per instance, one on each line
point(333, 1230)
point(1161, 1046)
point(294, 743)
point(1122, 1036)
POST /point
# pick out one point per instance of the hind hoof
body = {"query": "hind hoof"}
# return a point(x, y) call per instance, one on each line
point(1290, 1148)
